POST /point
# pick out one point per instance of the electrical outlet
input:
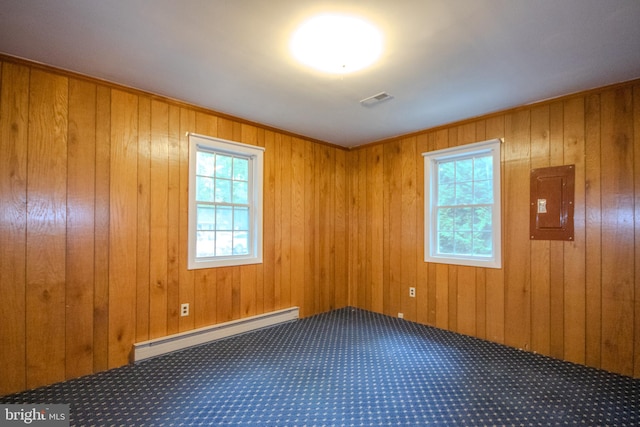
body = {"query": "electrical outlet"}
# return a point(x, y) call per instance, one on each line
point(401, 315)
point(412, 292)
point(184, 309)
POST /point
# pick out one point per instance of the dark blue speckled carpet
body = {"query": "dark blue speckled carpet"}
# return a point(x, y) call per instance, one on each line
point(347, 367)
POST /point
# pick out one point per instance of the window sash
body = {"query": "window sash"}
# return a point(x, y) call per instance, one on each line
point(212, 244)
point(440, 241)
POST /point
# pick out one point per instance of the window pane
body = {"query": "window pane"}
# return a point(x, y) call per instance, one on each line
point(224, 240)
point(483, 191)
point(204, 163)
point(240, 169)
point(482, 218)
point(204, 189)
point(446, 195)
point(463, 243)
point(223, 166)
point(241, 218)
point(206, 218)
point(463, 219)
point(482, 244)
point(445, 243)
point(224, 218)
point(223, 191)
point(445, 219)
point(446, 172)
point(240, 192)
point(483, 168)
point(205, 243)
point(464, 196)
point(240, 243)
point(464, 170)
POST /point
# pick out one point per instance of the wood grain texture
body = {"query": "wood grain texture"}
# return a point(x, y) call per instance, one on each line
point(143, 242)
point(80, 268)
point(517, 261)
point(101, 276)
point(617, 228)
point(186, 286)
point(46, 228)
point(14, 101)
point(540, 249)
point(593, 220)
point(123, 221)
point(556, 248)
point(158, 219)
point(81, 258)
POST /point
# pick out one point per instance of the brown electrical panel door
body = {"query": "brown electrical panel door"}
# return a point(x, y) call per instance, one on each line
point(552, 191)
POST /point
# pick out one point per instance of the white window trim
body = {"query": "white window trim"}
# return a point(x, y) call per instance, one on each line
point(257, 178)
point(430, 182)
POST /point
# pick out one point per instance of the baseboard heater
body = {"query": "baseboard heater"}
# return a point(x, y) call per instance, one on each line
point(159, 346)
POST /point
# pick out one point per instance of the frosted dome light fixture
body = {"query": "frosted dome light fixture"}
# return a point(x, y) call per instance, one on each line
point(337, 44)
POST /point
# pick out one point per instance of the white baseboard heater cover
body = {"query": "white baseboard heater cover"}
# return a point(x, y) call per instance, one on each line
point(159, 346)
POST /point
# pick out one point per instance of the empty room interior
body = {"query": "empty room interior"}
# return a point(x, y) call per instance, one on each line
point(185, 176)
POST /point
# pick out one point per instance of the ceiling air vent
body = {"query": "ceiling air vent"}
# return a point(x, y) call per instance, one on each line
point(375, 99)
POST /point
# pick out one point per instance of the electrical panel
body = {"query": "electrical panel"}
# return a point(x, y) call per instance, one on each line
point(552, 204)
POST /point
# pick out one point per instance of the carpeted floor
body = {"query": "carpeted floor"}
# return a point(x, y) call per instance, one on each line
point(347, 367)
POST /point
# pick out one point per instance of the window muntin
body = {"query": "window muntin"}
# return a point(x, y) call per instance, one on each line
point(225, 203)
point(462, 205)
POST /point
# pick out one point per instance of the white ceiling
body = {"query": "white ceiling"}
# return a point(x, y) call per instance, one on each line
point(444, 60)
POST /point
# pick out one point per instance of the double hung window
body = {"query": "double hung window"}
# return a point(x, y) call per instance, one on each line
point(225, 203)
point(462, 205)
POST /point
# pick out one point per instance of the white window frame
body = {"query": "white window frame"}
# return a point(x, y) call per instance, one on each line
point(256, 168)
point(431, 160)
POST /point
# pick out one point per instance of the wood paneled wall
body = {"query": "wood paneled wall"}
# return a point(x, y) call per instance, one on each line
point(578, 301)
point(93, 221)
point(93, 204)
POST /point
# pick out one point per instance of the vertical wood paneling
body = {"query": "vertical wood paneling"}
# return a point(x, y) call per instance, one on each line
point(617, 225)
point(408, 263)
point(574, 252)
point(540, 280)
point(143, 243)
point(269, 221)
point(375, 228)
point(517, 262)
point(353, 226)
point(285, 220)
point(360, 264)
point(392, 211)
point(102, 211)
point(636, 162)
point(122, 225)
point(159, 222)
point(275, 178)
point(593, 220)
point(173, 223)
point(249, 274)
point(93, 193)
point(80, 271)
point(556, 248)
point(340, 232)
point(186, 292)
point(46, 228)
point(14, 101)
point(311, 291)
point(423, 286)
point(325, 161)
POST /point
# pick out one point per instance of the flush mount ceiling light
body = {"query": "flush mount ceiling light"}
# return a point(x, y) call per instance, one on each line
point(336, 44)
